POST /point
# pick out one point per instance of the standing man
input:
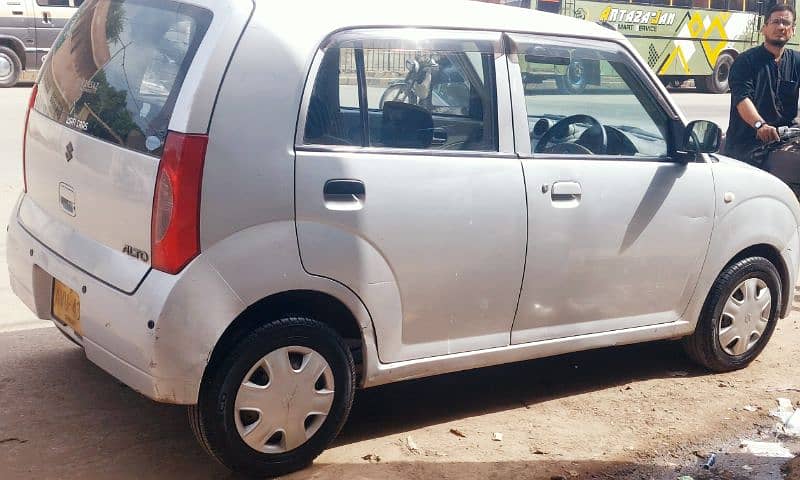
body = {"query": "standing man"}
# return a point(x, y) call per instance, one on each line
point(764, 86)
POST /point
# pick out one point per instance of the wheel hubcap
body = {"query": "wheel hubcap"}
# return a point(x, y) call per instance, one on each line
point(745, 317)
point(6, 68)
point(284, 399)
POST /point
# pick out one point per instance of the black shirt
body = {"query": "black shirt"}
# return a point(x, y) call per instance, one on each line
point(772, 88)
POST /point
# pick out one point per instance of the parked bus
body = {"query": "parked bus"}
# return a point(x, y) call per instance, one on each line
point(28, 29)
point(679, 39)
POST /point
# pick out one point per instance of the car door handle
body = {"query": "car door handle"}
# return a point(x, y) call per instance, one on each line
point(439, 137)
point(46, 18)
point(344, 194)
point(16, 12)
point(566, 192)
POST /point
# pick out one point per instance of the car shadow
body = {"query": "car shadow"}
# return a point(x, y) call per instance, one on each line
point(399, 407)
point(728, 468)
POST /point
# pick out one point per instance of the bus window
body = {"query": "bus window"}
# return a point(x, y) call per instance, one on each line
point(751, 5)
point(737, 5)
point(719, 4)
point(552, 6)
point(680, 3)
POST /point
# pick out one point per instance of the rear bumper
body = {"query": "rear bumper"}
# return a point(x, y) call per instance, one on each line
point(164, 360)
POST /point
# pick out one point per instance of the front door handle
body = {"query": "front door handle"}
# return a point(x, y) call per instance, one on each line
point(344, 194)
point(566, 192)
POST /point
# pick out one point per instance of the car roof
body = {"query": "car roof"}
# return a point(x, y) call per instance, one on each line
point(304, 25)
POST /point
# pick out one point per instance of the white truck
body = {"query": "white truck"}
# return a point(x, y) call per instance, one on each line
point(28, 29)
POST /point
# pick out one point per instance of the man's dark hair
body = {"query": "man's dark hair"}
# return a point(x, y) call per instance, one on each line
point(780, 7)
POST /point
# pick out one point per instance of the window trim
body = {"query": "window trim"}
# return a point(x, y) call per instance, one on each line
point(603, 158)
point(361, 81)
point(356, 38)
point(360, 37)
point(402, 151)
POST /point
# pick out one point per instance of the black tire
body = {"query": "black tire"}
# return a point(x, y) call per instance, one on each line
point(574, 80)
point(719, 80)
point(212, 419)
point(8, 56)
point(704, 346)
point(398, 92)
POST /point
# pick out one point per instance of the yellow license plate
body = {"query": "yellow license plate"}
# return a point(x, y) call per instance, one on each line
point(67, 306)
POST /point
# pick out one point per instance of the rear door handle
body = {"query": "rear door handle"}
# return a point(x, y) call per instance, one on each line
point(439, 137)
point(568, 192)
point(344, 194)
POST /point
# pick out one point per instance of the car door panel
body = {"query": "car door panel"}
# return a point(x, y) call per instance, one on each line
point(16, 24)
point(50, 18)
point(436, 251)
point(432, 240)
point(616, 241)
point(625, 254)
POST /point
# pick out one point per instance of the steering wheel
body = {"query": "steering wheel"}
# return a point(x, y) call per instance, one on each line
point(561, 130)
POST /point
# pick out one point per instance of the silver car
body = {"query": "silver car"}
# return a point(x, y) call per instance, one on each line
point(254, 211)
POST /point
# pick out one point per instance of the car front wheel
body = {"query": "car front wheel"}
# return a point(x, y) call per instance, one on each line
point(277, 400)
point(738, 317)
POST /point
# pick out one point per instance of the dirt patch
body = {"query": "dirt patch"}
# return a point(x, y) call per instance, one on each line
point(792, 469)
point(633, 412)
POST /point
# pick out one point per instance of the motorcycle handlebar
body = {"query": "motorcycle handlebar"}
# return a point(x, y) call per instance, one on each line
point(788, 132)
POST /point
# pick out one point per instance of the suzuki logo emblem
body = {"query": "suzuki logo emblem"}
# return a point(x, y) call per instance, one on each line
point(69, 151)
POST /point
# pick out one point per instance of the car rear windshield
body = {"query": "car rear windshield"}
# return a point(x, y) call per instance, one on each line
point(116, 69)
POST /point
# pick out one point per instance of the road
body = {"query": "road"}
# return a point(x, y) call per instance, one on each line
point(632, 412)
point(703, 106)
point(13, 102)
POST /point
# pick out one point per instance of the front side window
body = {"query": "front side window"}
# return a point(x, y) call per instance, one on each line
point(589, 99)
point(386, 94)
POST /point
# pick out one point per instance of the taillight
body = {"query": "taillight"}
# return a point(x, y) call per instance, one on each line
point(175, 225)
point(31, 101)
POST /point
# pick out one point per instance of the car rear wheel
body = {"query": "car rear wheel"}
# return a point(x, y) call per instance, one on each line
point(738, 317)
point(10, 67)
point(277, 400)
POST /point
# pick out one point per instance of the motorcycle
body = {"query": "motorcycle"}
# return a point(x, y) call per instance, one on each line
point(781, 158)
point(415, 87)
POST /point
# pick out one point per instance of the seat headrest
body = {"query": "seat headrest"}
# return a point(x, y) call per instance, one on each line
point(406, 126)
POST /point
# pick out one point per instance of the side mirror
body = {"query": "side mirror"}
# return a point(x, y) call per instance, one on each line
point(701, 136)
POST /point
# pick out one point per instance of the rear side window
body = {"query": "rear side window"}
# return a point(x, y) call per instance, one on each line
point(117, 68)
point(384, 94)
